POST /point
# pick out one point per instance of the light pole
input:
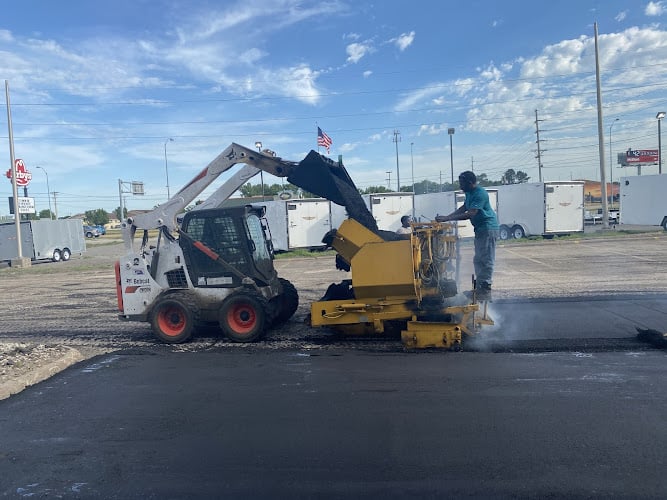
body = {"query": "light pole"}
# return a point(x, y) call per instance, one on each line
point(258, 145)
point(660, 116)
point(166, 167)
point(48, 190)
point(450, 131)
point(389, 179)
point(397, 139)
point(611, 165)
point(412, 163)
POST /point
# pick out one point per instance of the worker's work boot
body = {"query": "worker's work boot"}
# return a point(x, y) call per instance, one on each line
point(483, 292)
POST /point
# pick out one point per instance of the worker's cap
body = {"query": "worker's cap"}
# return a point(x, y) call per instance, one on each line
point(468, 176)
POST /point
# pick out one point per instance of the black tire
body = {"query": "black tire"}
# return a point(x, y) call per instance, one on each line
point(664, 224)
point(57, 256)
point(244, 316)
point(66, 254)
point(284, 305)
point(518, 232)
point(504, 232)
point(89, 234)
point(174, 317)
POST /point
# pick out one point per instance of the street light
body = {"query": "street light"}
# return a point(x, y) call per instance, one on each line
point(258, 145)
point(48, 190)
point(611, 165)
point(389, 180)
point(166, 168)
point(450, 131)
point(659, 117)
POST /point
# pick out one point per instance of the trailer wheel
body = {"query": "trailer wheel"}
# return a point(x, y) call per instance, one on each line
point(66, 254)
point(518, 232)
point(56, 255)
point(174, 317)
point(243, 316)
point(504, 232)
point(284, 305)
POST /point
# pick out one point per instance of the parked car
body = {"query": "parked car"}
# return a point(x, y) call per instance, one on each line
point(91, 232)
point(101, 229)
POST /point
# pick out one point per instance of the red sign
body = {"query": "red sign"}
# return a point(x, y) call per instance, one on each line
point(23, 177)
point(641, 156)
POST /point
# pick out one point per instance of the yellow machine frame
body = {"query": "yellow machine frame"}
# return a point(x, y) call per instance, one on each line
point(391, 280)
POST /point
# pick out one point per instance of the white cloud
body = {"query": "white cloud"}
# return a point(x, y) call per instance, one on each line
point(655, 9)
point(405, 40)
point(410, 100)
point(496, 22)
point(356, 51)
point(432, 129)
point(621, 16)
point(367, 73)
point(351, 36)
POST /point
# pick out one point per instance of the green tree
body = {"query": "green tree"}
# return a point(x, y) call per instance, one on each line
point(375, 190)
point(521, 177)
point(426, 186)
point(509, 177)
point(97, 217)
point(117, 212)
point(45, 214)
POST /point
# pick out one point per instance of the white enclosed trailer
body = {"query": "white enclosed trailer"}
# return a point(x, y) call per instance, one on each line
point(428, 205)
point(54, 240)
point(338, 215)
point(298, 223)
point(540, 208)
point(388, 208)
point(644, 200)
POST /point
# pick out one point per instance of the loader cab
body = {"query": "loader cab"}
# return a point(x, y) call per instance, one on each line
point(235, 245)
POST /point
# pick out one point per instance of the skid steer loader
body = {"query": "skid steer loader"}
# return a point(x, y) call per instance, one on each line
point(215, 267)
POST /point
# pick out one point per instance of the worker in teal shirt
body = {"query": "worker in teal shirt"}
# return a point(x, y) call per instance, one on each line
point(477, 208)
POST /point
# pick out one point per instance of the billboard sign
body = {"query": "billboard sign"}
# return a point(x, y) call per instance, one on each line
point(23, 177)
point(641, 156)
point(26, 205)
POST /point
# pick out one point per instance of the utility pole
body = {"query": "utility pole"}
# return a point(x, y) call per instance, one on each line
point(441, 181)
point(603, 176)
point(450, 132)
point(55, 203)
point(20, 261)
point(389, 180)
point(539, 150)
point(397, 139)
point(472, 163)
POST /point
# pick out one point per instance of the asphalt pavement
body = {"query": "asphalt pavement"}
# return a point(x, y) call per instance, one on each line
point(239, 423)
point(558, 400)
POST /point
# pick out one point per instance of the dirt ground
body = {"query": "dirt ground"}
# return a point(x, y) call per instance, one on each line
point(54, 314)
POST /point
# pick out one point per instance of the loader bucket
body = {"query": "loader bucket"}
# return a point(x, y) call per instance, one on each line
point(330, 180)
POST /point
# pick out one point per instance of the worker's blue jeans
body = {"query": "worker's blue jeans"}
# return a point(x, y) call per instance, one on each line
point(485, 256)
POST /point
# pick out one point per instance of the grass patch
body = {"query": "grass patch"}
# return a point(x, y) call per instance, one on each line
point(305, 253)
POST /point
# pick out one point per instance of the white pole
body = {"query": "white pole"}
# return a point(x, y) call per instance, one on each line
point(12, 159)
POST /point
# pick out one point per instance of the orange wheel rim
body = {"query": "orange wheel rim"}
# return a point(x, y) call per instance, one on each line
point(171, 320)
point(242, 318)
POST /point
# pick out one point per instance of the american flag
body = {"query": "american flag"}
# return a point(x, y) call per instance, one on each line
point(323, 139)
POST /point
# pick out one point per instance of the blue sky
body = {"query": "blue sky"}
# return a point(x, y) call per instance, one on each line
point(95, 92)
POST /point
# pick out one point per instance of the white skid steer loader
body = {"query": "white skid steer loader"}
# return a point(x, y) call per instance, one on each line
point(214, 267)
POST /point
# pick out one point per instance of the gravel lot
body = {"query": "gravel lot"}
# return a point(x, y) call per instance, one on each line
point(55, 314)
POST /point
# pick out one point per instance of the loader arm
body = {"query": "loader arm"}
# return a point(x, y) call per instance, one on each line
point(164, 216)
